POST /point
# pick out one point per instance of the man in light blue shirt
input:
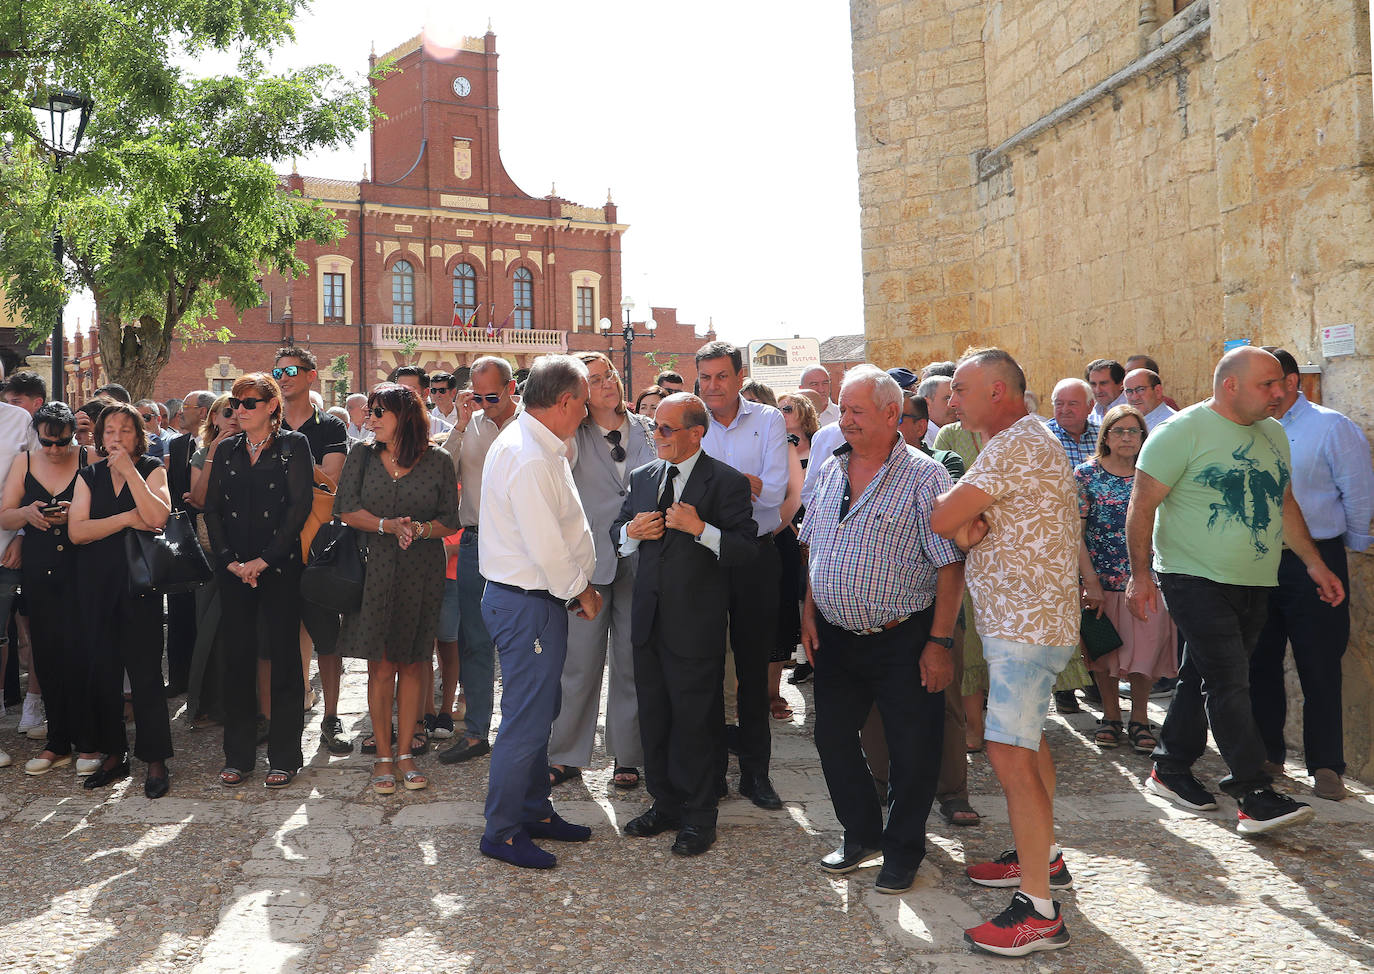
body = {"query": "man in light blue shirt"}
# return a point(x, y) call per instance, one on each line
point(752, 438)
point(1333, 483)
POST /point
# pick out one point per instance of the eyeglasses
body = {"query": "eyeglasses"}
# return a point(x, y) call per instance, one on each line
point(378, 411)
point(291, 370)
point(617, 451)
point(65, 441)
point(250, 404)
point(664, 430)
point(228, 412)
point(1137, 390)
point(147, 417)
point(600, 381)
point(787, 409)
point(1126, 432)
point(442, 390)
point(491, 398)
point(911, 416)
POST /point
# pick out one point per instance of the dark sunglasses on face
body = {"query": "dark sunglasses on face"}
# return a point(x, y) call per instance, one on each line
point(911, 416)
point(661, 429)
point(65, 441)
point(228, 412)
point(378, 411)
point(291, 370)
point(491, 398)
point(250, 404)
point(787, 409)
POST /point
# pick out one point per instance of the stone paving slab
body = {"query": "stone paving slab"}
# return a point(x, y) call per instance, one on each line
point(327, 877)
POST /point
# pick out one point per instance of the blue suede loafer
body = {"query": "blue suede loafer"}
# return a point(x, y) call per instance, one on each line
point(520, 852)
point(558, 830)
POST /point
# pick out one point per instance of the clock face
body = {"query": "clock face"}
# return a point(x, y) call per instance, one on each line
point(462, 87)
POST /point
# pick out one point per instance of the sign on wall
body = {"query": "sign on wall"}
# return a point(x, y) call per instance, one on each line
point(780, 362)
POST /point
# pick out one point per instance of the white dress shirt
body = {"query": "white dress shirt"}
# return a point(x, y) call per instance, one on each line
point(437, 425)
point(533, 533)
point(16, 436)
point(755, 443)
point(710, 534)
point(1099, 410)
point(450, 418)
point(827, 440)
point(830, 414)
point(468, 449)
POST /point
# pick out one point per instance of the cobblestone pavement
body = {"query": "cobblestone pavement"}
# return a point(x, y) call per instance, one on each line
point(326, 877)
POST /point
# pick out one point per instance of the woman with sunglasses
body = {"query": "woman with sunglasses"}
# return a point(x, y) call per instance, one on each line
point(259, 495)
point(607, 447)
point(204, 693)
point(125, 491)
point(37, 497)
point(1147, 648)
point(402, 494)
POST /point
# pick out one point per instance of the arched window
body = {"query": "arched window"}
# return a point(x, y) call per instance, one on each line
point(403, 293)
point(523, 293)
point(464, 292)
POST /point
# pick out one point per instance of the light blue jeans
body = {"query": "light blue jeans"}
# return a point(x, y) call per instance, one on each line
point(1020, 678)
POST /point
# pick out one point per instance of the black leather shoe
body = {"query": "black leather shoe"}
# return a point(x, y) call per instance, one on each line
point(652, 822)
point(850, 857)
point(894, 879)
point(760, 792)
point(107, 776)
point(693, 840)
point(156, 787)
point(464, 751)
point(1066, 702)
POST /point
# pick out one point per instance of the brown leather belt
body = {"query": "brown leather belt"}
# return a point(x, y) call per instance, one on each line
point(874, 630)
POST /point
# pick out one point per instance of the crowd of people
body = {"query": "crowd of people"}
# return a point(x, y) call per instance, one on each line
point(937, 557)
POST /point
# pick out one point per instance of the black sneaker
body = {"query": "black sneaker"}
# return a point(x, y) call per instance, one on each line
point(1181, 789)
point(1264, 810)
point(800, 674)
point(1163, 687)
point(443, 727)
point(333, 736)
point(1066, 702)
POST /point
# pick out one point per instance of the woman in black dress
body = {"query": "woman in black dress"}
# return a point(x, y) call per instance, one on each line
point(401, 492)
point(37, 497)
point(260, 491)
point(126, 491)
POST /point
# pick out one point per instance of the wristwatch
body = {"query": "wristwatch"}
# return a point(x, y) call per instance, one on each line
point(945, 641)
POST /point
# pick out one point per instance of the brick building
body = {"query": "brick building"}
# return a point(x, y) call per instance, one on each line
point(1070, 180)
point(439, 237)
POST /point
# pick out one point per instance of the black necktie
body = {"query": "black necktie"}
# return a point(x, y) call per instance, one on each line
point(665, 501)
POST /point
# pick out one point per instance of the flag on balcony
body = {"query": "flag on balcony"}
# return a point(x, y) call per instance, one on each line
point(491, 326)
point(506, 323)
point(472, 319)
point(457, 316)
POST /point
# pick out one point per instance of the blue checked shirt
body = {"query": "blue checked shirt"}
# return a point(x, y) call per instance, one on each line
point(880, 562)
point(1080, 449)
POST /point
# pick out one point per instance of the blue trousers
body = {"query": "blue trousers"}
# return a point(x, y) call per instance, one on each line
point(518, 789)
point(476, 655)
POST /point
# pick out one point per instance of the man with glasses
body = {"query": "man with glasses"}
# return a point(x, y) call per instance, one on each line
point(912, 425)
point(296, 373)
point(416, 379)
point(1145, 392)
point(443, 389)
point(483, 412)
point(152, 423)
point(688, 518)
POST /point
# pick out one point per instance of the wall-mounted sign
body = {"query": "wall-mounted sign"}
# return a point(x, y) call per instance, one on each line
point(780, 362)
point(1235, 343)
point(1338, 340)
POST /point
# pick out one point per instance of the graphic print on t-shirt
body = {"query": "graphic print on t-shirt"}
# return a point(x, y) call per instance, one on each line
point(1246, 490)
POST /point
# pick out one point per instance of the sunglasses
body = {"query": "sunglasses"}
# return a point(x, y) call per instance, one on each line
point(617, 451)
point(250, 404)
point(442, 390)
point(291, 370)
point(663, 429)
point(228, 412)
point(911, 416)
point(491, 398)
point(378, 411)
point(787, 409)
point(65, 441)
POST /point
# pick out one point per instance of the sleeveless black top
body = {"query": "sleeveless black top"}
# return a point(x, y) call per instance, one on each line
point(46, 552)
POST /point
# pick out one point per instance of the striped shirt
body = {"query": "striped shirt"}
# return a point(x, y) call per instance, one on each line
point(879, 562)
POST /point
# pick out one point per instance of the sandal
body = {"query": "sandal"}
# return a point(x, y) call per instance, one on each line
point(413, 780)
point(231, 777)
point(779, 708)
point(1108, 734)
point(1142, 737)
point(384, 784)
point(957, 811)
point(625, 777)
point(419, 741)
point(559, 775)
point(369, 744)
point(278, 779)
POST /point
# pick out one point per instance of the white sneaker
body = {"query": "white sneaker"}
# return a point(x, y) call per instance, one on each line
point(32, 717)
point(85, 766)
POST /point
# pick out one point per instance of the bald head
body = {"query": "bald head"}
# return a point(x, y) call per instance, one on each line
point(1247, 385)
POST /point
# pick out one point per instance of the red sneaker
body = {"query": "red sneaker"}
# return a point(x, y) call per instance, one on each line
point(1005, 871)
point(1019, 930)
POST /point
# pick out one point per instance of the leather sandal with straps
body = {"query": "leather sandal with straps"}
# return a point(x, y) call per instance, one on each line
point(384, 784)
point(413, 780)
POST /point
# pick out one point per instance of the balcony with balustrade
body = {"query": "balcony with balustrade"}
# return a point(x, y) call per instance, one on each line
point(456, 340)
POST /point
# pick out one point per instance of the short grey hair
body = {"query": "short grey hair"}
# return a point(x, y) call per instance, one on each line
point(492, 362)
point(886, 392)
point(354, 399)
point(551, 378)
point(204, 398)
point(929, 384)
point(1076, 383)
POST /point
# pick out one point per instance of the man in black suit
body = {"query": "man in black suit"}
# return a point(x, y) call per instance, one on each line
point(181, 606)
point(691, 520)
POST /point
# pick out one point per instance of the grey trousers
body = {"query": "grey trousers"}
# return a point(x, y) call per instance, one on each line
point(574, 730)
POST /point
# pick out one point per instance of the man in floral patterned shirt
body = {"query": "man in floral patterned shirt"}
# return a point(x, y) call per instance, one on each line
point(1016, 514)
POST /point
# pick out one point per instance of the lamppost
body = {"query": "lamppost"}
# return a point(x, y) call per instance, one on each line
point(627, 306)
point(63, 141)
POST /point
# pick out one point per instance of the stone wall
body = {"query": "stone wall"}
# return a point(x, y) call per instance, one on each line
point(1071, 180)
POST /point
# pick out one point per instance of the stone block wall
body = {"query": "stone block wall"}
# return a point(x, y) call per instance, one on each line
point(1073, 180)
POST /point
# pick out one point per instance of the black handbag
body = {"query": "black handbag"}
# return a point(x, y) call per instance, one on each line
point(171, 560)
point(1099, 635)
point(337, 569)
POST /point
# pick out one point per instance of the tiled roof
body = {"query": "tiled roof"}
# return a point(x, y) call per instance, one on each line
point(843, 348)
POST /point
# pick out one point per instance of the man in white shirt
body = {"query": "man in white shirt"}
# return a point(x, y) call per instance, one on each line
point(1105, 376)
point(356, 406)
point(484, 412)
point(817, 378)
point(413, 377)
point(1145, 392)
point(16, 436)
point(752, 438)
point(443, 389)
point(538, 556)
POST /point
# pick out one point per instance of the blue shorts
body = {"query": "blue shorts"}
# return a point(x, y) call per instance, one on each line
point(1020, 678)
point(448, 612)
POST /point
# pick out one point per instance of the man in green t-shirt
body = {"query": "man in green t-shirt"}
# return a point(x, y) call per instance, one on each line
point(1213, 487)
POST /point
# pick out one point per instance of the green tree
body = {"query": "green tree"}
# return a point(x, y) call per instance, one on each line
point(173, 202)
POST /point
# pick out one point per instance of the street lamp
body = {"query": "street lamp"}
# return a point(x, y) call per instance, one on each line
point(63, 141)
point(627, 306)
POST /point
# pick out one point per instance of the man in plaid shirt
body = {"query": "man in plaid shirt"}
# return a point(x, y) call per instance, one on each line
point(1076, 433)
point(877, 624)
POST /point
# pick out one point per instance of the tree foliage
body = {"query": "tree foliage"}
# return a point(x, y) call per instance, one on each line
point(173, 202)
